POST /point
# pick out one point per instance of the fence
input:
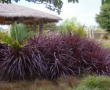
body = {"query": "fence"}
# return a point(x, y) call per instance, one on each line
point(92, 32)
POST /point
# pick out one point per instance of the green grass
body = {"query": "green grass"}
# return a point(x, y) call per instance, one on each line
point(94, 83)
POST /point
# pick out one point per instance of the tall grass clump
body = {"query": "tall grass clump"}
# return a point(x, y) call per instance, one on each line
point(50, 57)
point(94, 83)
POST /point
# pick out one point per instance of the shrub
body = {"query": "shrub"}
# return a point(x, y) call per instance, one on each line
point(72, 55)
point(21, 65)
point(95, 83)
point(2, 50)
point(3, 46)
point(73, 26)
point(20, 33)
point(3, 35)
point(49, 57)
point(18, 36)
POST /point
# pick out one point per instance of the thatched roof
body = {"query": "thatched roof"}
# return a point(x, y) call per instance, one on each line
point(10, 12)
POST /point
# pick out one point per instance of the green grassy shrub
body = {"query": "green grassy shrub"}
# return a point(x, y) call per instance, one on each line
point(95, 83)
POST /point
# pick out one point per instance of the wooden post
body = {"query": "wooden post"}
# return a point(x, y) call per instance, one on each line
point(40, 26)
point(35, 26)
point(2, 20)
point(21, 20)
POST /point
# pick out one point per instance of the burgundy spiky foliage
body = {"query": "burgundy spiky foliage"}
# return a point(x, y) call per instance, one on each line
point(3, 47)
point(49, 57)
point(22, 65)
point(72, 55)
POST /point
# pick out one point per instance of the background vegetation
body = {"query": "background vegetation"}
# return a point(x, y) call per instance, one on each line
point(103, 17)
point(73, 26)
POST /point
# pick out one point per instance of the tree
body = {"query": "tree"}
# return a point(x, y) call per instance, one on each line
point(54, 5)
point(105, 1)
point(103, 18)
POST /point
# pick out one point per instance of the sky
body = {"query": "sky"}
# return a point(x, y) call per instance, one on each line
point(85, 11)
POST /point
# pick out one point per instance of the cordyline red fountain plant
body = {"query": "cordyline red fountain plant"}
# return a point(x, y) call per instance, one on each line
point(49, 57)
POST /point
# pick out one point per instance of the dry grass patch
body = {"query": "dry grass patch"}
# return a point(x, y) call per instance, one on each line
point(60, 84)
point(105, 43)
